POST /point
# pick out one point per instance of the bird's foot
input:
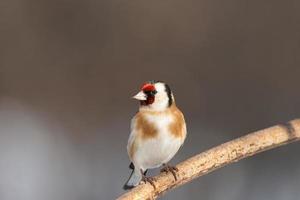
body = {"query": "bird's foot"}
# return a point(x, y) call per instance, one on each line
point(150, 180)
point(167, 168)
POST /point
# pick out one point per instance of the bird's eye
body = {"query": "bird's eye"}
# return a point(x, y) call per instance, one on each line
point(150, 92)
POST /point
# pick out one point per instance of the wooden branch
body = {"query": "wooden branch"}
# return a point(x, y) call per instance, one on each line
point(217, 157)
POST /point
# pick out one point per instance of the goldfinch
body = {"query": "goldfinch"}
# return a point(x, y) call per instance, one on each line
point(158, 130)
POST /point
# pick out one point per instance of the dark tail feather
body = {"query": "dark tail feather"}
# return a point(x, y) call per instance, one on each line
point(134, 178)
point(128, 187)
point(131, 166)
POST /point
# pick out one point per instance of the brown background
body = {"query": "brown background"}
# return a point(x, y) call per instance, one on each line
point(68, 69)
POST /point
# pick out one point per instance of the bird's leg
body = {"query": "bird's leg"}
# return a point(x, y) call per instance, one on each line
point(167, 168)
point(145, 172)
point(148, 179)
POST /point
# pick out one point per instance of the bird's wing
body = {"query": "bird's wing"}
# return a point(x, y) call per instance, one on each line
point(132, 136)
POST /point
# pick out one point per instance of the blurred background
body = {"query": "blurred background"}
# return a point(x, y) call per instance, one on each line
point(68, 69)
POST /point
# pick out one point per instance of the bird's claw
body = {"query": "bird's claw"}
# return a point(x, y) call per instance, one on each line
point(172, 169)
point(150, 180)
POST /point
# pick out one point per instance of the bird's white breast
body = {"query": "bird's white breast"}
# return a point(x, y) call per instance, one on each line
point(153, 152)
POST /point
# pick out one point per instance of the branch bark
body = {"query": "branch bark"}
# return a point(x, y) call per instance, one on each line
point(217, 157)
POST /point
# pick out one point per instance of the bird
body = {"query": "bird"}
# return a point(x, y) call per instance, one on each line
point(158, 130)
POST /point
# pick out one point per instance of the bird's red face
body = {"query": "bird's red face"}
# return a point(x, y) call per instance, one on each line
point(147, 94)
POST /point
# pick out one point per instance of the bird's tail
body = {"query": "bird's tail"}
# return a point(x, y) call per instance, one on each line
point(134, 179)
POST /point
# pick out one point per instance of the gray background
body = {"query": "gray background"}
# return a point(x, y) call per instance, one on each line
point(68, 69)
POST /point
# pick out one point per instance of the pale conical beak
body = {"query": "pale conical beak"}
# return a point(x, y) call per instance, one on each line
point(140, 96)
